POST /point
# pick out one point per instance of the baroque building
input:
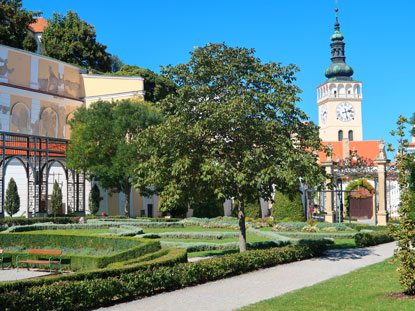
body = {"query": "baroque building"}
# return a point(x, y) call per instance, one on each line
point(38, 95)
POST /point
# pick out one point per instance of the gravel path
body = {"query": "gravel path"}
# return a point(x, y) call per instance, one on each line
point(239, 291)
point(13, 275)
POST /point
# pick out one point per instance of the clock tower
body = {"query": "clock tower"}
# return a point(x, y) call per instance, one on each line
point(339, 99)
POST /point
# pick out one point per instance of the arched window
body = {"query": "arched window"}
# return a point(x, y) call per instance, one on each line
point(20, 119)
point(340, 135)
point(351, 135)
point(49, 123)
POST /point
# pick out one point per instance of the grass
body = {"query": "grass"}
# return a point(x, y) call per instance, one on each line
point(77, 231)
point(187, 229)
point(364, 289)
point(68, 251)
point(249, 238)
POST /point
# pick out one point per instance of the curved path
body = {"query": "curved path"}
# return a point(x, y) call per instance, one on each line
point(242, 290)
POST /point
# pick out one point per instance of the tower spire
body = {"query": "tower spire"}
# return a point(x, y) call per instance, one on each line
point(338, 70)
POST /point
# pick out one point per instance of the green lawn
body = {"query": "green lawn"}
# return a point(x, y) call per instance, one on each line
point(249, 238)
point(187, 229)
point(77, 231)
point(366, 289)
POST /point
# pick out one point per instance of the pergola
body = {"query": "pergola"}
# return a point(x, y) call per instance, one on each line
point(38, 154)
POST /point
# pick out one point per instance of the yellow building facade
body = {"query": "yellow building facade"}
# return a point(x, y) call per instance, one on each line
point(38, 96)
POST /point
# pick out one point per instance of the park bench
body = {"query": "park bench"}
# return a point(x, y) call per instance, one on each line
point(54, 258)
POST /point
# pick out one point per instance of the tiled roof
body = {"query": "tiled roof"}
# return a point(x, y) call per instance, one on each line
point(367, 149)
point(39, 25)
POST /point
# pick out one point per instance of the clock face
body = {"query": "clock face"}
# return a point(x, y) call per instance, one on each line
point(345, 112)
point(323, 114)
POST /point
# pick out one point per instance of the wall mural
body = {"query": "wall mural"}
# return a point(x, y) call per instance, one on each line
point(4, 69)
point(53, 84)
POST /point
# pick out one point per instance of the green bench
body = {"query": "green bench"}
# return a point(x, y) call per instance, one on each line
point(53, 259)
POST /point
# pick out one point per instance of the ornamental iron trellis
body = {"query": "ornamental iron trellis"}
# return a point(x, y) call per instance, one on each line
point(355, 166)
point(38, 154)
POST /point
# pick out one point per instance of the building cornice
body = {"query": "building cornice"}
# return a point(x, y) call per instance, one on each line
point(36, 94)
point(114, 96)
point(84, 75)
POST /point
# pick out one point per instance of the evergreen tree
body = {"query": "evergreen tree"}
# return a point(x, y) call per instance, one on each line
point(94, 199)
point(56, 198)
point(12, 202)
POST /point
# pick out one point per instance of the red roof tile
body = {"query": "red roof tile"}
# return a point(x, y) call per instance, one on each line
point(39, 25)
point(367, 149)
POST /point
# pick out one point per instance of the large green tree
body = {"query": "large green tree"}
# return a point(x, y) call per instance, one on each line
point(101, 142)
point(14, 20)
point(72, 40)
point(404, 232)
point(156, 86)
point(12, 201)
point(233, 123)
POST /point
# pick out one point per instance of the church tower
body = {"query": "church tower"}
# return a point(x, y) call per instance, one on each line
point(339, 99)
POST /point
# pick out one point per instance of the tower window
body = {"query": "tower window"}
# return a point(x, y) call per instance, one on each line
point(351, 135)
point(340, 135)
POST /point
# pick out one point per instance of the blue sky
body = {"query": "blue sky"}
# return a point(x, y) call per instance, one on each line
point(379, 39)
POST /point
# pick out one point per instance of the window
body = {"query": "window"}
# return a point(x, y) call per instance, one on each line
point(340, 135)
point(350, 135)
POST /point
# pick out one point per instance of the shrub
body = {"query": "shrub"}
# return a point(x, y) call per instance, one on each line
point(94, 199)
point(309, 228)
point(56, 198)
point(90, 290)
point(191, 235)
point(252, 208)
point(288, 207)
point(211, 207)
point(364, 239)
point(12, 202)
point(127, 247)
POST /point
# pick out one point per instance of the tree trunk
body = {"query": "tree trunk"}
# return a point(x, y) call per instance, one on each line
point(127, 190)
point(241, 218)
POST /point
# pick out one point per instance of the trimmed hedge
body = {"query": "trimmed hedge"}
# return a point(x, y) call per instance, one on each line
point(117, 229)
point(307, 235)
point(190, 235)
point(288, 207)
point(205, 246)
point(360, 227)
point(128, 248)
point(91, 293)
point(142, 223)
point(372, 238)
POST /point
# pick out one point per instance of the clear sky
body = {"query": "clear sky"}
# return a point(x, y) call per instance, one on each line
point(379, 37)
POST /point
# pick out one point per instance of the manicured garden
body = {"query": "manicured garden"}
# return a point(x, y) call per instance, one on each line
point(130, 258)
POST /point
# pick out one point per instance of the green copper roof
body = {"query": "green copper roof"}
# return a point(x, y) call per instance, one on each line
point(338, 69)
point(337, 36)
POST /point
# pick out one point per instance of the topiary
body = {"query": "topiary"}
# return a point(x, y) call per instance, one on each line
point(94, 199)
point(252, 208)
point(288, 206)
point(12, 202)
point(210, 209)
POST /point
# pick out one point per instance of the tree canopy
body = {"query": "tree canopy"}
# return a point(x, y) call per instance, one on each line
point(232, 123)
point(101, 142)
point(72, 40)
point(157, 86)
point(14, 21)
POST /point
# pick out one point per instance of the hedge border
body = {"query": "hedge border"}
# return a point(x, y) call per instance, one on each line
point(93, 293)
